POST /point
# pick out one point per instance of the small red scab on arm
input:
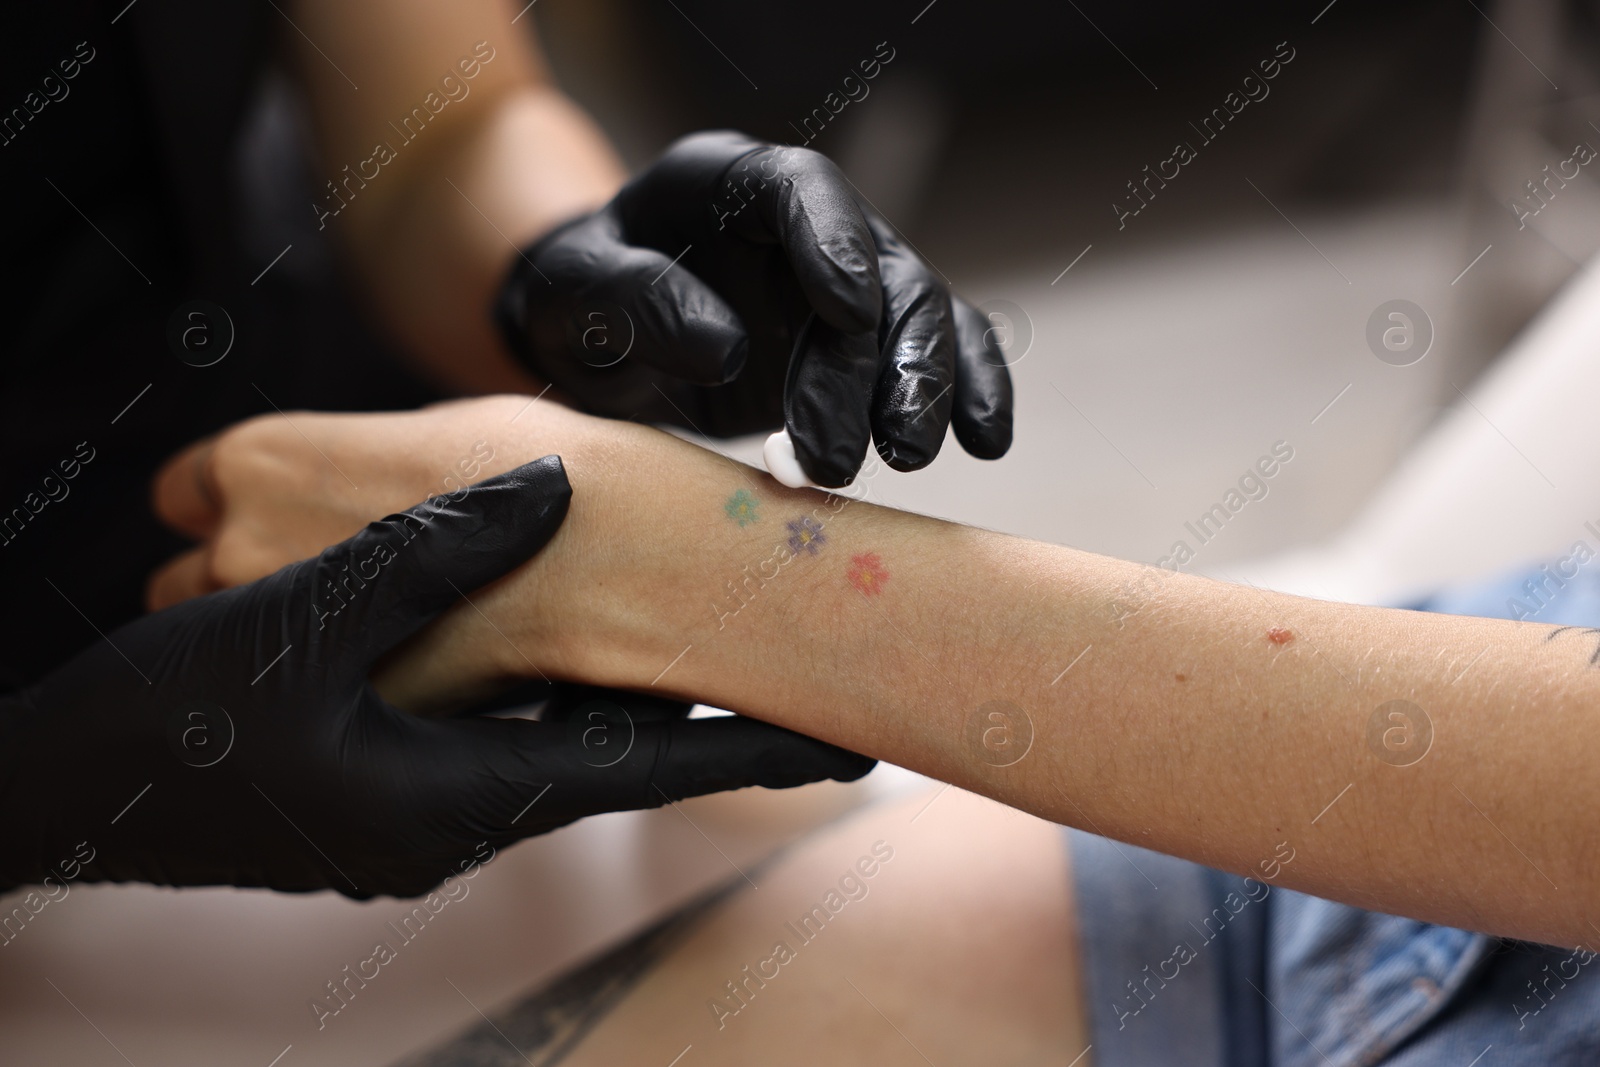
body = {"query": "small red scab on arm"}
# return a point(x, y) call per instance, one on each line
point(1279, 636)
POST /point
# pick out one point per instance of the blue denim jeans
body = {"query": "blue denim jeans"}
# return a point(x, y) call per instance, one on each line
point(1187, 965)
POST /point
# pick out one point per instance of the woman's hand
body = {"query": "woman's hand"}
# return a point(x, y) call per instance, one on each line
point(609, 609)
point(279, 488)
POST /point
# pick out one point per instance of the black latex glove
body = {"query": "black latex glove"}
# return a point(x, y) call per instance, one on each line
point(234, 739)
point(682, 301)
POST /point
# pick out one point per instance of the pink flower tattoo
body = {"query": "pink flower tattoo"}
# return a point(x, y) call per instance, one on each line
point(805, 535)
point(867, 573)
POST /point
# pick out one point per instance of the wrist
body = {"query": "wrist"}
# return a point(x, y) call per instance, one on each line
point(774, 615)
point(651, 538)
point(637, 582)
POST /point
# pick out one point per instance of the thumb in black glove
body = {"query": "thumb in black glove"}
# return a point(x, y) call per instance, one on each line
point(234, 739)
point(683, 301)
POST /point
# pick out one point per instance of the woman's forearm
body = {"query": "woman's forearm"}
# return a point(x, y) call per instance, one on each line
point(1410, 763)
point(1434, 766)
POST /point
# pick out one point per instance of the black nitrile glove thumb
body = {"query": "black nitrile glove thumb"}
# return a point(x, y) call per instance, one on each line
point(234, 739)
point(691, 757)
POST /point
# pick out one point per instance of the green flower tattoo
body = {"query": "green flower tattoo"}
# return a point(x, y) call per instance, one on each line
point(743, 508)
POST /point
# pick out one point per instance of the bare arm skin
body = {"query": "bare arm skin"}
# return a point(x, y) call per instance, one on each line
point(1211, 721)
point(506, 157)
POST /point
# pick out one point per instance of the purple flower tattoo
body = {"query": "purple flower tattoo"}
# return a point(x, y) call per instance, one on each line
point(805, 535)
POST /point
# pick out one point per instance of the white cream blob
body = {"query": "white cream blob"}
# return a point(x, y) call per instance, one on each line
point(782, 463)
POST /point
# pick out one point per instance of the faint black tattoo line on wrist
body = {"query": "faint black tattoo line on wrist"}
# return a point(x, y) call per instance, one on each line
point(1592, 631)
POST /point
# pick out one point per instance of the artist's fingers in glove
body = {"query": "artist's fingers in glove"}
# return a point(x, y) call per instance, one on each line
point(699, 756)
point(501, 780)
point(809, 207)
point(981, 416)
point(621, 765)
point(593, 704)
point(675, 323)
point(827, 401)
point(388, 581)
point(911, 405)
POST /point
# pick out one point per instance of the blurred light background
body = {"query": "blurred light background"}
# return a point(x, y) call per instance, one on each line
point(1155, 362)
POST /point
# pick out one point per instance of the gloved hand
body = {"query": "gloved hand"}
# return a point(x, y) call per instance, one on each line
point(684, 299)
point(234, 739)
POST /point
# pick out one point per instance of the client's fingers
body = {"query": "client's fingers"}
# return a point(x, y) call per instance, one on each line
point(181, 578)
point(184, 492)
